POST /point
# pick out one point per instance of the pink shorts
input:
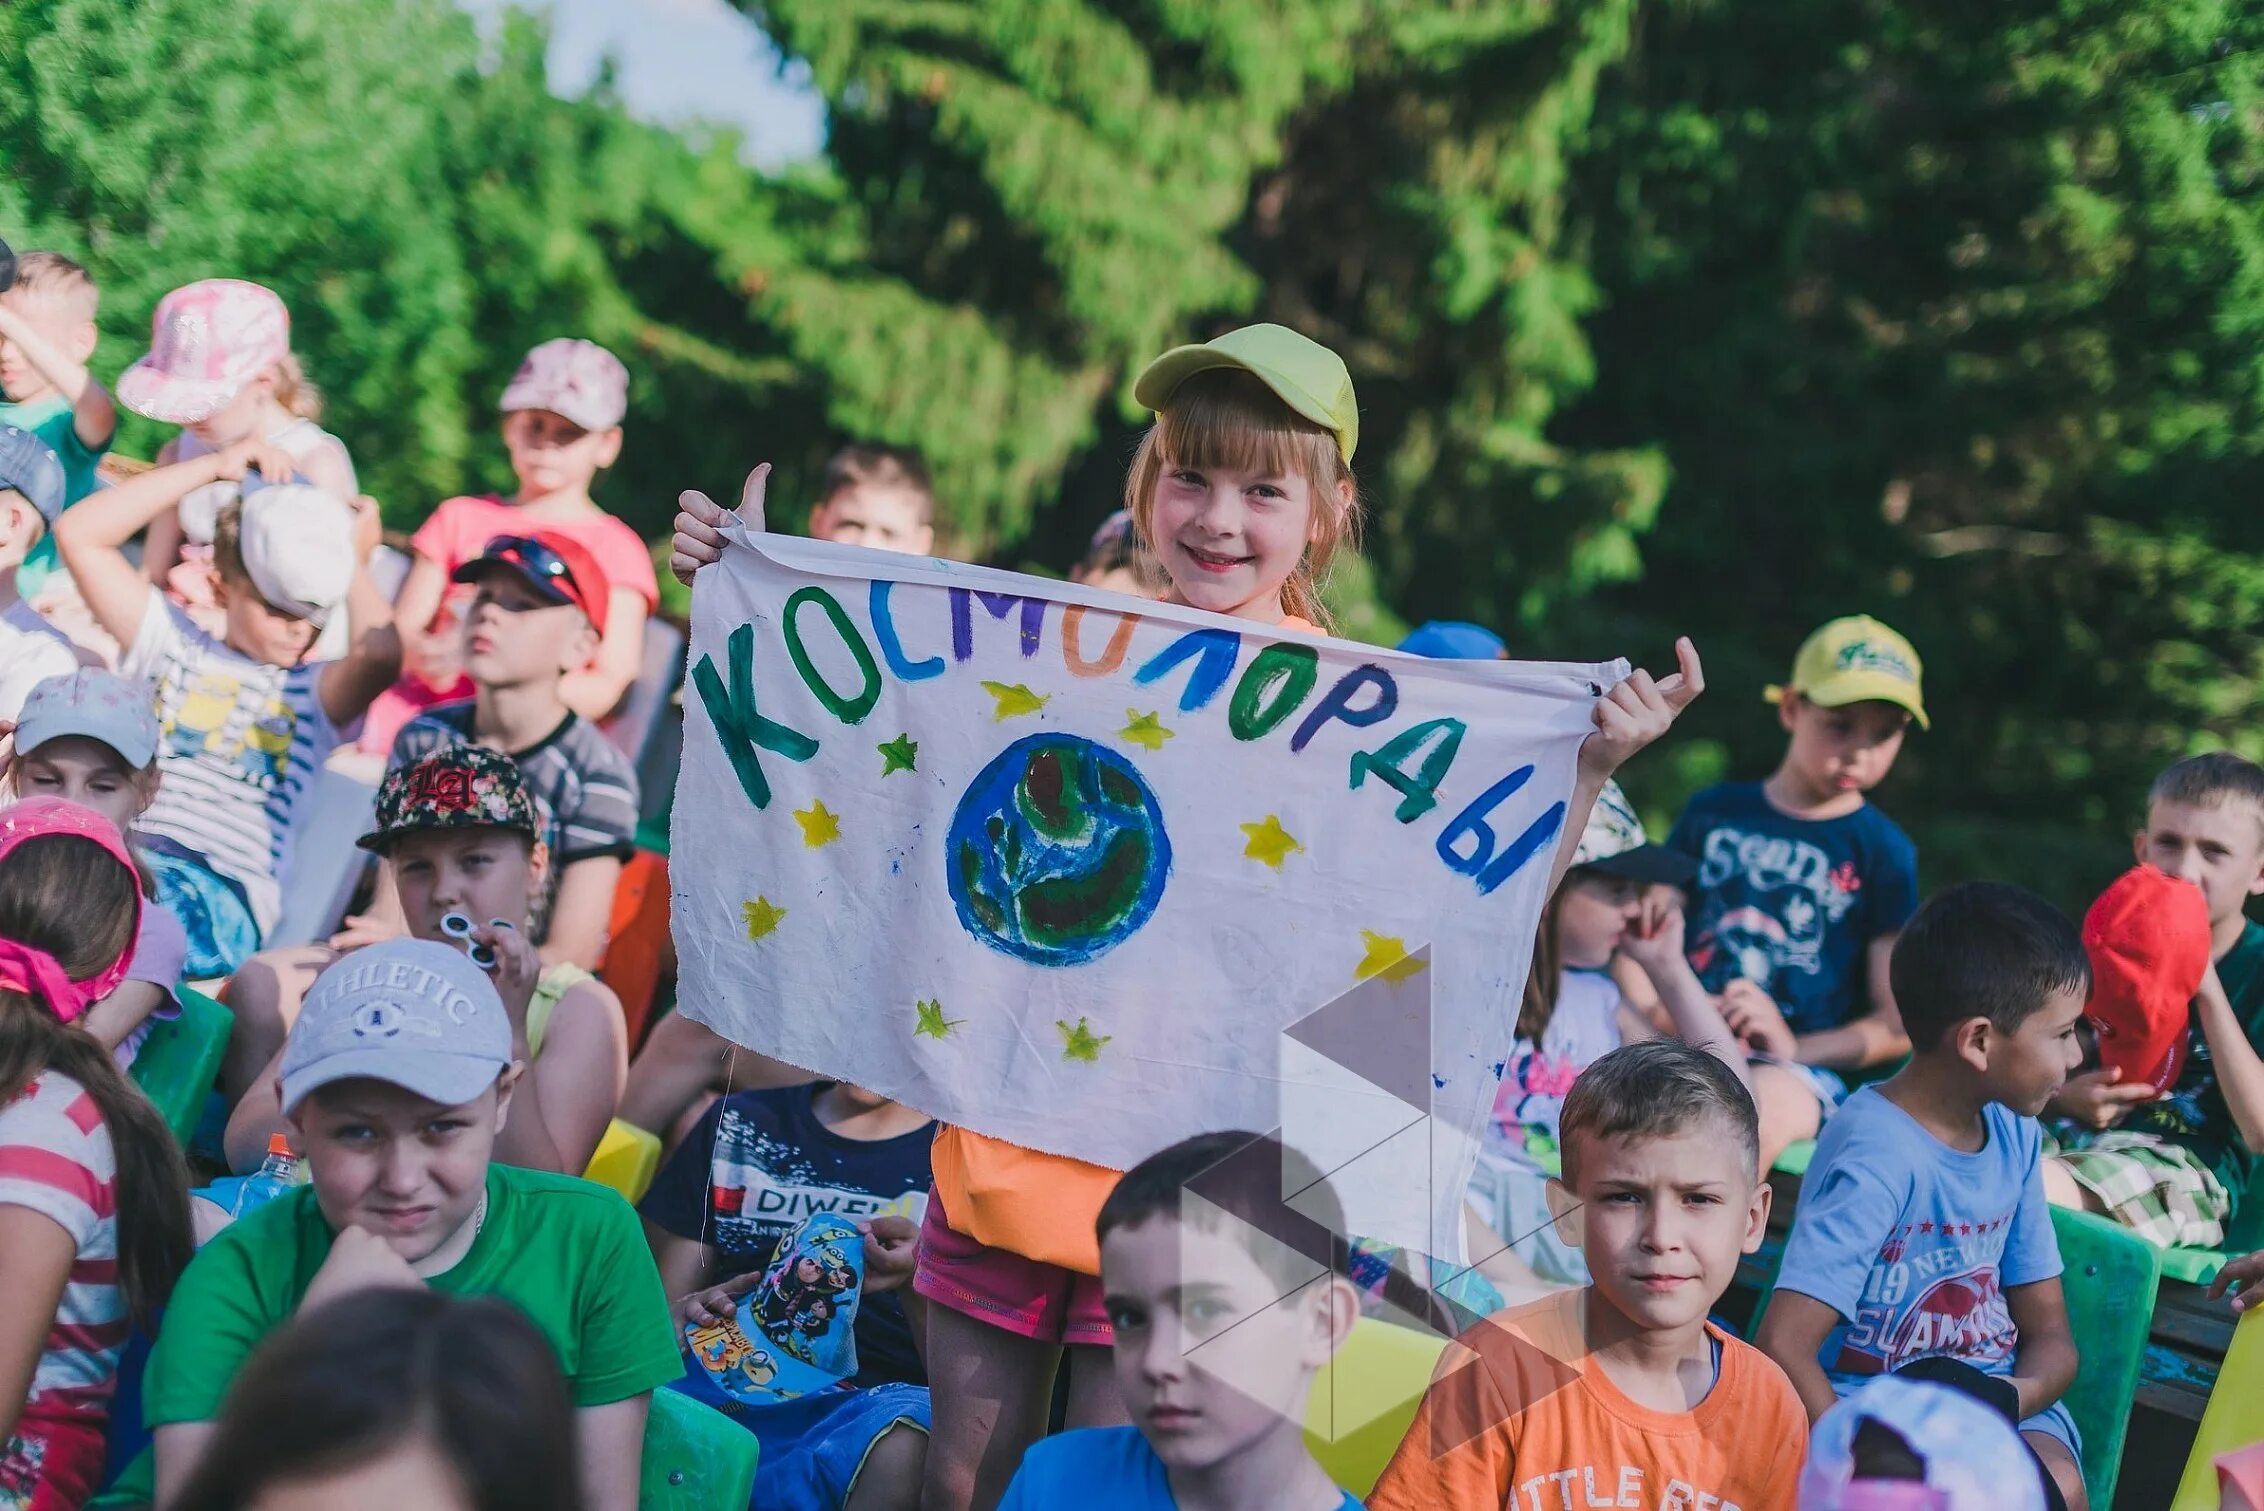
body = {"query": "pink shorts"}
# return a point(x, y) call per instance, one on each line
point(1027, 1297)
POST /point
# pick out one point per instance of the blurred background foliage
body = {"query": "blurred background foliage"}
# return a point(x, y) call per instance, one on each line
point(1666, 316)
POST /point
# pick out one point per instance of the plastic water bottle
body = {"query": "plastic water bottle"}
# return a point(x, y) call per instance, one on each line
point(278, 1173)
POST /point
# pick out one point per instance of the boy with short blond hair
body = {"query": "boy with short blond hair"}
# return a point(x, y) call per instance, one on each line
point(2175, 1168)
point(1622, 1392)
point(1923, 1238)
point(1803, 883)
point(248, 717)
point(47, 337)
point(1227, 1297)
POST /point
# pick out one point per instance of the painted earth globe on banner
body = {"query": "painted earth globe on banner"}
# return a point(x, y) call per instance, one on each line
point(1057, 852)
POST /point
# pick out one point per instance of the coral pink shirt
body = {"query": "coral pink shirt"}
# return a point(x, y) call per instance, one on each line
point(460, 529)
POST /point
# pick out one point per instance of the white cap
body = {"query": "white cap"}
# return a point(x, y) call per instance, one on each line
point(298, 544)
point(92, 704)
point(408, 1011)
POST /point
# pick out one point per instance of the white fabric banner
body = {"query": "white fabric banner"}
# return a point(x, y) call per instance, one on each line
point(1083, 872)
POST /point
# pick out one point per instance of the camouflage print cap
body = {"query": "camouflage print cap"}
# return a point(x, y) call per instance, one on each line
point(456, 787)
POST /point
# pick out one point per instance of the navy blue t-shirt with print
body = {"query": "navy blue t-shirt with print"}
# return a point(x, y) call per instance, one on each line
point(759, 1163)
point(1792, 904)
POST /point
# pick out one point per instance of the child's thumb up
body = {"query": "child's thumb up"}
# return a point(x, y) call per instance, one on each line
point(751, 497)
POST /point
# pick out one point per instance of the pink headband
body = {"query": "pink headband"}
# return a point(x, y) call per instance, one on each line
point(28, 969)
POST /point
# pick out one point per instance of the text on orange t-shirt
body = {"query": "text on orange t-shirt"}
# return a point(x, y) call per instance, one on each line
point(1520, 1417)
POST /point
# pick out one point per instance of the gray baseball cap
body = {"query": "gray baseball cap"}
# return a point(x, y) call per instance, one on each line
point(409, 1011)
point(32, 469)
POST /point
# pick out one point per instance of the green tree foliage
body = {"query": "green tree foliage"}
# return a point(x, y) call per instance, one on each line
point(1052, 191)
point(1954, 315)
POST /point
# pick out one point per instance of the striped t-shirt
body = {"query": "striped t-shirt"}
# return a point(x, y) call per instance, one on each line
point(240, 744)
point(56, 1159)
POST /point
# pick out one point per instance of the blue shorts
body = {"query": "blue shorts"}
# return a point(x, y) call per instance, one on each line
point(212, 911)
point(2054, 1422)
point(813, 1447)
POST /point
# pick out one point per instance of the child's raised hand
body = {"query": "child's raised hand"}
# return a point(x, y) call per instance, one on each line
point(892, 1252)
point(518, 970)
point(1655, 942)
point(359, 1260)
point(716, 1304)
point(255, 454)
point(700, 520)
point(1638, 710)
point(1753, 1016)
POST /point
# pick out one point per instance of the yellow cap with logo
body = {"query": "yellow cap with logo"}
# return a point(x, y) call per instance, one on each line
point(1856, 660)
point(1305, 375)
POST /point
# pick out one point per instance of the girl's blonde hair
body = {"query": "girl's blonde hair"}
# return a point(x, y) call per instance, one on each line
point(1230, 420)
point(294, 390)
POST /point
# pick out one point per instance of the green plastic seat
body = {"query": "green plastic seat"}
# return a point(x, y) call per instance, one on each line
point(2109, 1274)
point(180, 1060)
point(1794, 1160)
point(695, 1457)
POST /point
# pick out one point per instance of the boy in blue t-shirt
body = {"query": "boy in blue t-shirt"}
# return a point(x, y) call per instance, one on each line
point(1802, 884)
point(1226, 1300)
point(1922, 1232)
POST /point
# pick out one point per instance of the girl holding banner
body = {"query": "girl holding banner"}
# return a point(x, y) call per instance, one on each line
point(1241, 491)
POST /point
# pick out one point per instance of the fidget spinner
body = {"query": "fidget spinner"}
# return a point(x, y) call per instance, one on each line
point(459, 928)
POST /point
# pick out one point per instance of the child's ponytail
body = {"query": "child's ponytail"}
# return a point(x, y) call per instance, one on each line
point(1546, 976)
point(61, 897)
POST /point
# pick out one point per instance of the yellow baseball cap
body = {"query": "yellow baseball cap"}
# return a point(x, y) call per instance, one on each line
point(1856, 660)
point(1302, 373)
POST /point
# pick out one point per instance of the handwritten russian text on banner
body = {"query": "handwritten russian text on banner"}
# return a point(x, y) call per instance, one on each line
point(1063, 868)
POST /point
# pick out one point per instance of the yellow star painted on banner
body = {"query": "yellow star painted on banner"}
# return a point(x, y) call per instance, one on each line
point(761, 916)
point(1015, 698)
point(1269, 842)
point(1387, 957)
point(819, 826)
point(932, 1021)
point(1144, 729)
point(1080, 1042)
point(899, 754)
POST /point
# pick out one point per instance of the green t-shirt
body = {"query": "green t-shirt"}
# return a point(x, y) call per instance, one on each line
point(569, 1252)
point(2194, 1113)
point(53, 421)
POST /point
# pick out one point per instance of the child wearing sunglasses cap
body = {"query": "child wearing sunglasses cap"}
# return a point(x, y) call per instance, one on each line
point(562, 417)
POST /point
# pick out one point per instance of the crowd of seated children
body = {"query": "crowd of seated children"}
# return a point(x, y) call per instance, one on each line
point(538, 607)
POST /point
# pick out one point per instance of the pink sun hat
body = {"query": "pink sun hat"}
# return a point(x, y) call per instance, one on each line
point(578, 379)
point(206, 341)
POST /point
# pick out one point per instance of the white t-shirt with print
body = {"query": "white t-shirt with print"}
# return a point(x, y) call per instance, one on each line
point(240, 743)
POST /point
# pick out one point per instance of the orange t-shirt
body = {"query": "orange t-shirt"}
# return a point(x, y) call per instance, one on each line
point(1521, 1418)
point(1041, 1206)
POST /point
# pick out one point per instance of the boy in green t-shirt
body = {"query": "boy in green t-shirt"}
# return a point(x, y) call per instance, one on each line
point(396, 1079)
point(2173, 1168)
point(47, 336)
